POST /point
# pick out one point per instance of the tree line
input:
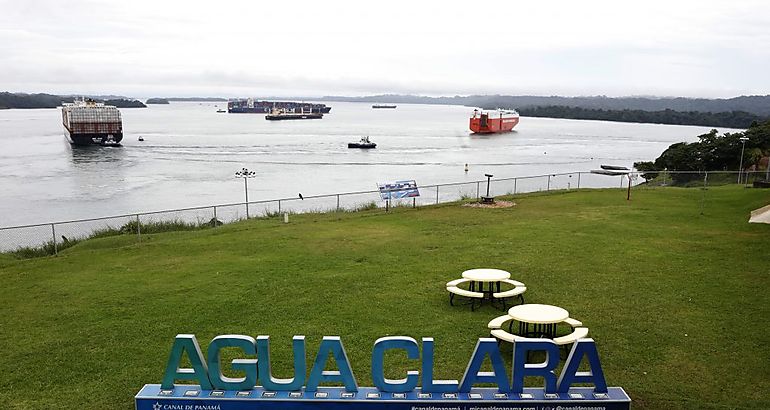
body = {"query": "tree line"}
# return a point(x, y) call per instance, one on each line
point(754, 104)
point(714, 152)
point(730, 119)
point(18, 100)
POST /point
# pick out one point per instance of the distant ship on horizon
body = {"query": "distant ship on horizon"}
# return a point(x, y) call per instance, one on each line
point(485, 123)
point(384, 106)
point(251, 106)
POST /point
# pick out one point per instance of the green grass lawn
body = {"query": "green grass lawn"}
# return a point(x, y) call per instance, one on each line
point(676, 301)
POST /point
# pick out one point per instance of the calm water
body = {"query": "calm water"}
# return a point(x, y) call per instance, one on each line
point(190, 154)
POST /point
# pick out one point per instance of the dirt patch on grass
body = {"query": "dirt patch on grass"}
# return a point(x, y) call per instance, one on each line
point(497, 204)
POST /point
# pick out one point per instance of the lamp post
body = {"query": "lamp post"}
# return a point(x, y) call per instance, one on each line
point(740, 167)
point(246, 174)
point(488, 199)
point(489, 180)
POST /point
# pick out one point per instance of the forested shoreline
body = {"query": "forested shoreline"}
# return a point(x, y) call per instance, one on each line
point(730, 119)
point(30, 101)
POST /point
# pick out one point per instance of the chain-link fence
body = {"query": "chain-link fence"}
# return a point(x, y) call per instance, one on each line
point(50, 238)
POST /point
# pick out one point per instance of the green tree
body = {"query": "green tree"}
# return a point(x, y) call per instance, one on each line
point(645, 167)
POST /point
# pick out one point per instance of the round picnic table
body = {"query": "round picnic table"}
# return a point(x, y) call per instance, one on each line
point(544, 319)
point(486, 275)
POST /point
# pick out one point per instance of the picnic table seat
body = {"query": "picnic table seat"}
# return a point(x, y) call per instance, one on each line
point(456, 282)
point(577, 333)
point(498, 322)
point(517, 290)
point(503, 336)
point(453, 289)
point(566, 340)
point(573, 322)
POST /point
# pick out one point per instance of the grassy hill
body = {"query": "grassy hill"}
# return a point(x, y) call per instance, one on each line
point(675, 300)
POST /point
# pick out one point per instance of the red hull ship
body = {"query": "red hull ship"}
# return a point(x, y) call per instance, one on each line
point(486, 123)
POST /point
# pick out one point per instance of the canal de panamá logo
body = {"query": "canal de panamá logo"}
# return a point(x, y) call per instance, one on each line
point(207, 371)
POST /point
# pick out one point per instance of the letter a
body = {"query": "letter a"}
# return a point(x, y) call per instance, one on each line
point(198, 372)
point(570, 375)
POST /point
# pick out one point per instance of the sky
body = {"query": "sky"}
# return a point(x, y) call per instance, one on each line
point(139, 48)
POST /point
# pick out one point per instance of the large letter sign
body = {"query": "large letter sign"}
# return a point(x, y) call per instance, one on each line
point(266, 372)
point(546, 369)
point(378, 369)
point(258, 389)
point(248, 366)
point(486, 347)
point(333, 345)
point(198, 372)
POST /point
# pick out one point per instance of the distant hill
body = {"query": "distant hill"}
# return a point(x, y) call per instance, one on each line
point(21, 100)
point(156, 101)
point(754, 104)
point(125, 103)
point(11, 100)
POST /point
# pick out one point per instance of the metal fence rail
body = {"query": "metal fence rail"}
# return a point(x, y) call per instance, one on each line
point(53, 236)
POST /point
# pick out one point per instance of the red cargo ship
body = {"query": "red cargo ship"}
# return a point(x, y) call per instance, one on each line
point(486, 123)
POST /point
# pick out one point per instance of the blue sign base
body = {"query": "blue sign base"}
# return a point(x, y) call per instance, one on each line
point(191, 397)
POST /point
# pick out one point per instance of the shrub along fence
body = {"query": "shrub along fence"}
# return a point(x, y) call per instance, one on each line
point(49, 238)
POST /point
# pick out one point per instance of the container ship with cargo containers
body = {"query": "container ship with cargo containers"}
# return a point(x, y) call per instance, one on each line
point(487, 123)
point(264, 107)
point(90, 123)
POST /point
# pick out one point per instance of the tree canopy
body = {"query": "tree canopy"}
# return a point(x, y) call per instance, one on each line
point(717, 152)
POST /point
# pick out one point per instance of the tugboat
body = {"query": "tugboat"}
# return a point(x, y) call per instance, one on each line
point(383, 106)
point(364, 143)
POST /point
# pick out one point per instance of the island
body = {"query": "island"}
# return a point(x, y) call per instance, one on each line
point(21, 100)
point(157, 100)
point(125, 103)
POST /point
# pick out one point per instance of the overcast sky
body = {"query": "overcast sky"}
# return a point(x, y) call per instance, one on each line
point(326, 47)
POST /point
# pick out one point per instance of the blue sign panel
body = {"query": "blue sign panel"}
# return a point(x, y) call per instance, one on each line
point(192, 397)
point(398, 190)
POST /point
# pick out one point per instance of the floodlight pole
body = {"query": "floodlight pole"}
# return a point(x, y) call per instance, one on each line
point(246, 174)
point(740, 167)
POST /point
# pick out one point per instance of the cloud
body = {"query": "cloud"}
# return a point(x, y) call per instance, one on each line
point(143, 48)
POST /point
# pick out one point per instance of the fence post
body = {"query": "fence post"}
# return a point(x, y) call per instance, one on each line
point(279, 207)
point(215, 217)
point(436, 194)
point(548, 187)
point(515, 180)
point(478, 184)
point(703, 198)
point(578, 187)
point(53, 232)
point(338, 202)
point(138, 229)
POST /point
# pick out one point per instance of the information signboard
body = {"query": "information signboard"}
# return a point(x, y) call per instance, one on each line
point(398, 190)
